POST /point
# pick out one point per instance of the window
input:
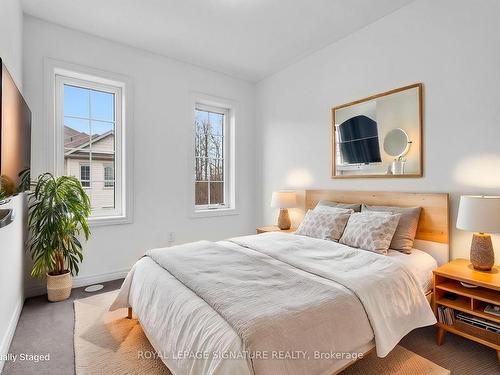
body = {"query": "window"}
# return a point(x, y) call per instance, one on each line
point(85, 175)
point(212, 190)
point(89, 119)
point(109, 176)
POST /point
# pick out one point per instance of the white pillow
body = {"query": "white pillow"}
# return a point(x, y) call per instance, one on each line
point(370, 231)
point(326, 226)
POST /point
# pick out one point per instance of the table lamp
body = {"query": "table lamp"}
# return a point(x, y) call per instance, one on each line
point(480, 214)
point(284, 200)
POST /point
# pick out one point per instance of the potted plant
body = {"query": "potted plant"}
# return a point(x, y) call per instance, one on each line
point(58, 213)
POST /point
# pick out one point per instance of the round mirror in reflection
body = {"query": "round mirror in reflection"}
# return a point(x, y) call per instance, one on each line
point(396, 142)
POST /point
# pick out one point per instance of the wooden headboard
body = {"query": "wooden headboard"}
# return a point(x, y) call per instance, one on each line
point(434, 218)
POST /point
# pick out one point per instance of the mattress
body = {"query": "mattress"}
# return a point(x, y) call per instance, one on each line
point(419, 263)
point(194, 329)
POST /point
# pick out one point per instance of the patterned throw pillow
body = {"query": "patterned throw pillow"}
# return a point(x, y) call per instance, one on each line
point(370, 231)
point(326, 226)
point(407, 226)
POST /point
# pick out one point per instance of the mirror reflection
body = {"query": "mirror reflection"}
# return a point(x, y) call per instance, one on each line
point(379, 136)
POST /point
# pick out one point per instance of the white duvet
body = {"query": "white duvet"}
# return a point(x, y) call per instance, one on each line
point(188, 332)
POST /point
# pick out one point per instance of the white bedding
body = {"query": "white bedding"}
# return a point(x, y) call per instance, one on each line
point(419, 263)
point(176, 320)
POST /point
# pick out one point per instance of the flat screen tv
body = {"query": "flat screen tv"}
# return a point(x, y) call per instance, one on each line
point(15, 134)
point(358, 141)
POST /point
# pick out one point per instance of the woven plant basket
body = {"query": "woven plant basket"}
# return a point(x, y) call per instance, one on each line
point(59, 287)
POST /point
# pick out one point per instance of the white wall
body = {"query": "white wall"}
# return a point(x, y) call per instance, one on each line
point(11, 236)
point(452, 46)
point(162, 138)
point(11, 37)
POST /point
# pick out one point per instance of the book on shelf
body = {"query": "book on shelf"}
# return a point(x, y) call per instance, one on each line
point(446, 315)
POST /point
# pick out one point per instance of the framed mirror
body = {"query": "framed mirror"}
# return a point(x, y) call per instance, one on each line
point(379, 136)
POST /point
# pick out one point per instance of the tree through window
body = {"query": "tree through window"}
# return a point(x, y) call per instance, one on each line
point(210, 189)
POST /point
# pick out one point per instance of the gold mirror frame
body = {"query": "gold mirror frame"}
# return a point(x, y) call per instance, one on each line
point(419, 86)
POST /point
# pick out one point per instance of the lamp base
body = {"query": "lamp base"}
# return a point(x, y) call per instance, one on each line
point(284, 222)
point(482, 256)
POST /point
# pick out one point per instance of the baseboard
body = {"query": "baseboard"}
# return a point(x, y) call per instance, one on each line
point(79, 281)
point(9, 334)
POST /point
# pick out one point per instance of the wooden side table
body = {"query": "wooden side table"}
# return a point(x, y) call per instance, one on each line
point(470, 301)
point(274, 228)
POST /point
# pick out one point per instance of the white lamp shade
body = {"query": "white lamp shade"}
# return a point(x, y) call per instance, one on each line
point(284, 199)
point(479, 214)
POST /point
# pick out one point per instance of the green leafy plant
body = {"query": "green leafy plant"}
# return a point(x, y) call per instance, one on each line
point(7, 187)
point(3, 193)
point(58, 213)
point(24, 180)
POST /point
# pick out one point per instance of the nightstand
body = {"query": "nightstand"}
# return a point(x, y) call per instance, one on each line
point(466, 305)
point(274, 228)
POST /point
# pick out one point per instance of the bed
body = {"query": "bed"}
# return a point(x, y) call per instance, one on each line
point(286, 304)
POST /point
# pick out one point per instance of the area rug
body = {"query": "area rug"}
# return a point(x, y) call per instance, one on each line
point(108, 343)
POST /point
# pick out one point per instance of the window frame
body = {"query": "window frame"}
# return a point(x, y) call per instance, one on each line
point(225, 150)
point(229, 108)
point(95, 85)
point(54, 136)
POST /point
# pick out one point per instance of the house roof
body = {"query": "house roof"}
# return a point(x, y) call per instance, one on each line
point(77, 141)
point(74, 139)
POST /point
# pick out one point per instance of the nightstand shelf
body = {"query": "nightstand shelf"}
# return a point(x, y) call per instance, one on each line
point(274, 228)
point(470, 301)
point(480, 293)
point(473, 337)
point(460, 304)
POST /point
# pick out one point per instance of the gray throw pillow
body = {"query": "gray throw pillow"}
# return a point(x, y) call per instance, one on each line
point(369, 231)
point(353, 206)
point(323, 225)
point(407, 227)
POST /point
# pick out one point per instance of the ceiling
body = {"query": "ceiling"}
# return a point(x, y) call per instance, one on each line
point(249, 39)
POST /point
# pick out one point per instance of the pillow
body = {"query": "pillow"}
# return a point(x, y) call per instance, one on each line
point(353, 206)
point(407, 227)
point(370, 231)
point(332, 210)
point(326, 226)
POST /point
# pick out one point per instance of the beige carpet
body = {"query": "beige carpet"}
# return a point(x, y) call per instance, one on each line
point(107, 343)
point(400, 361)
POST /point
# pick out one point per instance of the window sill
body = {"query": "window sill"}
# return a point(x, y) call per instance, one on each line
point(101, 221)
point(214, 212)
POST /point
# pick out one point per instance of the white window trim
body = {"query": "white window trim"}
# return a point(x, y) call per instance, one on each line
point(55, 132)
point(226, 134)
point(93, 83)
point(203, 101)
